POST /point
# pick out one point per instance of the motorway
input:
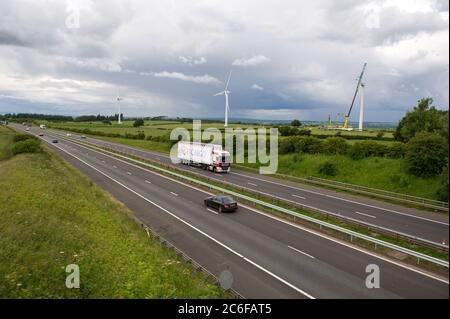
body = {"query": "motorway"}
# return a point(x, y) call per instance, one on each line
point(430, 226)
point(268, 257)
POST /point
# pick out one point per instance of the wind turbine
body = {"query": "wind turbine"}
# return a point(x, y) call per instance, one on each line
point(226, 92)
point(119, 120)
point(361, 110)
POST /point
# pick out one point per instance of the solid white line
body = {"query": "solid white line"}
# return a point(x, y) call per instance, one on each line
point(193, 227)
point(371, 216)
point(361, 250)
point(212, 211)
point(148, 182)
point(339, 198)
point(302, 252)
point(175, 194)
point(301, 197)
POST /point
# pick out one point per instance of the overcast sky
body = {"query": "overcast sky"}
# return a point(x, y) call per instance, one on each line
point(290, 59)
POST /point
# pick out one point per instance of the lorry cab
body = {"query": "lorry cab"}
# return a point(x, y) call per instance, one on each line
point(221, 162)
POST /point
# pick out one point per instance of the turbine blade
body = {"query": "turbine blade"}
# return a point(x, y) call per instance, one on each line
point(228, 81)
point(220, 93)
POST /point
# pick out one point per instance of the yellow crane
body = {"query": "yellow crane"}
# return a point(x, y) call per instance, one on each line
point(347, 116)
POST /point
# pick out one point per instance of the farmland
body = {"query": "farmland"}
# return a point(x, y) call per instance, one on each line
point(377, 172)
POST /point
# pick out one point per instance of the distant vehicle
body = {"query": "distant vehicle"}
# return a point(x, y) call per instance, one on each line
point(27, 129)
point(24, 123)
point(223, 203)
point(42, 126)
point(41, 134)
point(83, 137)
point(205, 155)
point(68, 134)
point(54, 141)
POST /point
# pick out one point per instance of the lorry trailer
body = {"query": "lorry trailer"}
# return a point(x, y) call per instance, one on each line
point(205, 155)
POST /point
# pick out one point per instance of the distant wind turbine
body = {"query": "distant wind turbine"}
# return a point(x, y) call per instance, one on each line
point(119, 120)
point(226, 92)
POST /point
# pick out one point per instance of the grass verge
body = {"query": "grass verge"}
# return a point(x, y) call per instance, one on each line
point(52, 216)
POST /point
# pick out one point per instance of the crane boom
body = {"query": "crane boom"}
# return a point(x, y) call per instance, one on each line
point(354, 96)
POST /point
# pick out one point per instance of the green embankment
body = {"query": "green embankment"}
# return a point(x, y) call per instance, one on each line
point(51, 216)
point(376, 172)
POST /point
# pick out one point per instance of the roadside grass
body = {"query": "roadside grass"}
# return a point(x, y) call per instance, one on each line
point(52, 216)
point(6, 138)
point(376, 172)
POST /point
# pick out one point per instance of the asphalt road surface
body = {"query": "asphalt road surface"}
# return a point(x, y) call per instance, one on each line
point(427, 225)
point(268, 257)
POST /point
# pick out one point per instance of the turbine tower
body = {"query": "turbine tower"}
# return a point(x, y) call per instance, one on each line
point(361, 110)
point(119, 120)
point(226, 92)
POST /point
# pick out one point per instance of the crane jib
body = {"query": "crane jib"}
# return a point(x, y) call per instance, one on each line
point(357, 89)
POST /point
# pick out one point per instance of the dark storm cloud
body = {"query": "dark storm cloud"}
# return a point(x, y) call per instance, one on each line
point(289, 59)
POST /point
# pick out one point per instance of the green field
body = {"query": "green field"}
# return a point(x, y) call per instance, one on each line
point(376, 172)
point(52, 216)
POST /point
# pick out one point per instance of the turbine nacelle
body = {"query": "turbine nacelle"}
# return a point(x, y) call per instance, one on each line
point(226, 92)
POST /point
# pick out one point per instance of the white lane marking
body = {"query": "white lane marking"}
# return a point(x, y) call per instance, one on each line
point(221, 175)
point(148, 182)
point(175, 194)
point(301, 252)
point(367, 215)
point(128, 173)
point(301, 197)
point(195, 228)
point(212, 211)
point(252, 184)
point(313, 232)
point(313, 192)
point(340, 198)
point(103, 161)
point(114, 166)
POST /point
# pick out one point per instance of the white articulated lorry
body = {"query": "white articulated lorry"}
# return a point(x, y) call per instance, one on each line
point(42, 126)
point(207, 156)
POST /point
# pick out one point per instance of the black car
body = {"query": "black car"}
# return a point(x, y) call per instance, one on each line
point(55, 141)
point(222, 203)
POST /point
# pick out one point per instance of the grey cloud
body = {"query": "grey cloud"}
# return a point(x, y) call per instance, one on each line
point(155, 53)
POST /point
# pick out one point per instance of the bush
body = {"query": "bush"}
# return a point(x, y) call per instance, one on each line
point(427, 154)
point(380, 134)
point(308, 144)
point(328, 168)
point(26, 146)
point(296, 123)
point(287, 145)
point(335, 146)
point(442, 193)
point(138, 122)
point(396, 150)
point(23, 137)
point(364, 149)
point(304, 132)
